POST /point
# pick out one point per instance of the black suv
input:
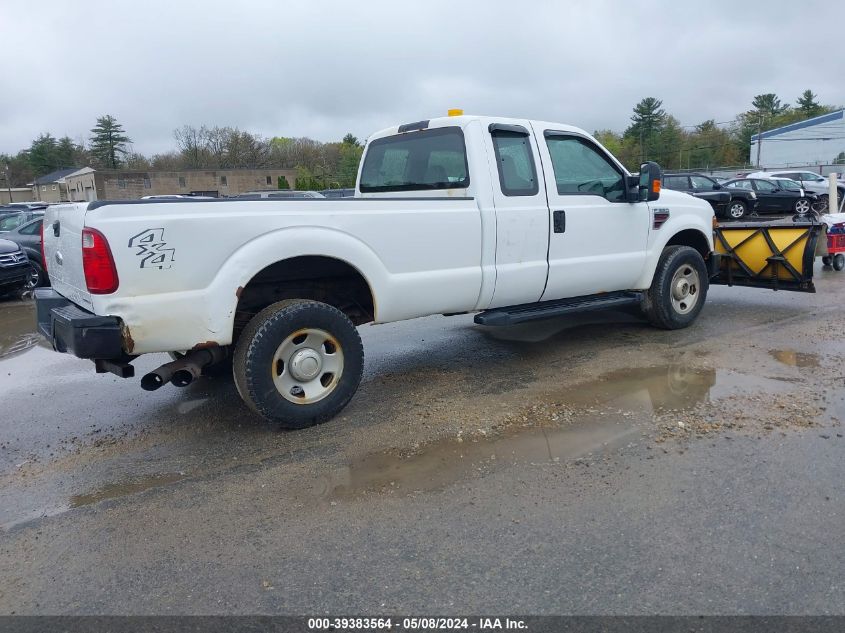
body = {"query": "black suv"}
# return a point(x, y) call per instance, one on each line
point(726, 203)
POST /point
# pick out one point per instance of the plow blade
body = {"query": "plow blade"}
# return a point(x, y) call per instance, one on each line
point(774, 256)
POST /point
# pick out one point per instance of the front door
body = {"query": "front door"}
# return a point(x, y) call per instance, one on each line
point(598, 239)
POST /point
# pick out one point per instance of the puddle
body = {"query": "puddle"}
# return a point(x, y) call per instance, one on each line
point(452, 459)
point(648, 389)
point(123, 489)
point(607, 413)
point(17, 328)
point(795, 359)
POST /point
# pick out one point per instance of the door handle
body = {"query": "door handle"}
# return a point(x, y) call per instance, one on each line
point(559, 221)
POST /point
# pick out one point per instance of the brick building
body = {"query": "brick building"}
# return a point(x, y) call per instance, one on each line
point(118, 184)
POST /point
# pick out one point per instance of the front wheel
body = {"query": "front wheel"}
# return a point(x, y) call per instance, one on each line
point(298, 363)
point(678, 290)
point(802, 206)
point(838, 261)
point(736, 209)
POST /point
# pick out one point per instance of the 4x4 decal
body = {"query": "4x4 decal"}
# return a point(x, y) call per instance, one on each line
point(152, 249)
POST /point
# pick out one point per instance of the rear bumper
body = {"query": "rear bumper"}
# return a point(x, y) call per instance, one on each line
point(72, 330)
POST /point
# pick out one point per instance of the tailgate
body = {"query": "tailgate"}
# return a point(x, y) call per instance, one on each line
point(63, 226)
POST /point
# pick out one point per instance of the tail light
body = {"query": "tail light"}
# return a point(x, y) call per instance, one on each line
point(43, 256)
point(98, 263)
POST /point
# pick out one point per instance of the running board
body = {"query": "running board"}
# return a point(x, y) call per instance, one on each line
point(547, 309)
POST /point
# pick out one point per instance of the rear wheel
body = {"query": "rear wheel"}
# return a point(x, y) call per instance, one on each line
point(826, 260)
point(838, 261)
point(298, 363)
point(678, 290)
point(736, 209)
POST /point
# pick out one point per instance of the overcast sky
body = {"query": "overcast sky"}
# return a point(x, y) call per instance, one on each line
point(322, 69)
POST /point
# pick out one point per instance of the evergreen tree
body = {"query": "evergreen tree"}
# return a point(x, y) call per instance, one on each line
point(283, 183)
point(43, 154)
point(808, 106)
point(647, 122)
point(768, 105)
point(108, 142)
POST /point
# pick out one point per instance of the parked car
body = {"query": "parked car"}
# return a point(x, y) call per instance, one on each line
point(726, 203)
point(14, 268)
point(11, 221)
point(810, 181)
point(281, 194)
point(775, 195)
point(338, 193)
point(28, 237)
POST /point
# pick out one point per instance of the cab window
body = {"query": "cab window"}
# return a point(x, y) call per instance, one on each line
point(515, 162)
point(581, 168)
point(415, 161)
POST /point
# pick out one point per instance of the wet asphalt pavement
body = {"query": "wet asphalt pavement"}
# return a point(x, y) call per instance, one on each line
point(582, 465)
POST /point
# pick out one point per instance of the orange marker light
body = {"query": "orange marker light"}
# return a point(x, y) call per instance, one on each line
point(655, 186)
point(455, 112)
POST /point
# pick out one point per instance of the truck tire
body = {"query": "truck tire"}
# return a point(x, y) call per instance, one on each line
point(298, 363)
point(678, 290)
point(736, 209)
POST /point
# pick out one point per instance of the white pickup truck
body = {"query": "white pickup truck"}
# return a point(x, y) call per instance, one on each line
point(508, 218)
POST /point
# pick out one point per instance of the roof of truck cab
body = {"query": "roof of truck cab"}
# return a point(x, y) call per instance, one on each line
point(465, 119)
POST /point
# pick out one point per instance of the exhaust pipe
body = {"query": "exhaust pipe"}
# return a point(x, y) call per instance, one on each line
point(182, 371)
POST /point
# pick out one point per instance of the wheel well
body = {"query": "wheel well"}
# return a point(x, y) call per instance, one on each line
point(314, 277)
point(692, 238)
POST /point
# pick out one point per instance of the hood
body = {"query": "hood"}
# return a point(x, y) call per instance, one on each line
point(7, 246)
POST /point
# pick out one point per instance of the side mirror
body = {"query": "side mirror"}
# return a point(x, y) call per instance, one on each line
point(716, 185)
point(650, 179)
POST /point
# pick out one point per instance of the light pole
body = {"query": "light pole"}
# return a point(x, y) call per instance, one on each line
point(8, 182)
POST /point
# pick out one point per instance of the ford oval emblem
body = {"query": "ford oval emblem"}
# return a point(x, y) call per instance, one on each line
point(59, 258)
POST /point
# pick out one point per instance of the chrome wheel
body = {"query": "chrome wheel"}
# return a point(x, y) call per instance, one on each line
point(307, 366)
point(685, 285)
point(802, 206)
point(33, 278)
point(736, 210)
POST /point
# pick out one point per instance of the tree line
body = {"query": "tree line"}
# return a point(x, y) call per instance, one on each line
point(318, 165)
point(656, 135)
point(653, 134)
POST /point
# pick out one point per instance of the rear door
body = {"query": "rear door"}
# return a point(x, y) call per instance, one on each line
point(598, 239)
point(63, 226)
point(522, 215)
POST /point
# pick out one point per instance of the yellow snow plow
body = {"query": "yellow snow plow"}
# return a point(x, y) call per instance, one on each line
point(765, 255)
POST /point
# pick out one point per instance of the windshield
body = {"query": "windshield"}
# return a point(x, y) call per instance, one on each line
point(429, 159)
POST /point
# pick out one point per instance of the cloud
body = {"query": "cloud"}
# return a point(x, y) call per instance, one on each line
point(324, 68)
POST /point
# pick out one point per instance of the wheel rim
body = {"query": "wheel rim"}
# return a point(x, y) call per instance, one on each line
point(802, 206)
point(307, 366)
point(685, 286)
point(33, 278)
point(737, 210)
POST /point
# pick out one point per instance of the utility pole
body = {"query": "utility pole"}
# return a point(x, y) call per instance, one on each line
point(759, 137)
